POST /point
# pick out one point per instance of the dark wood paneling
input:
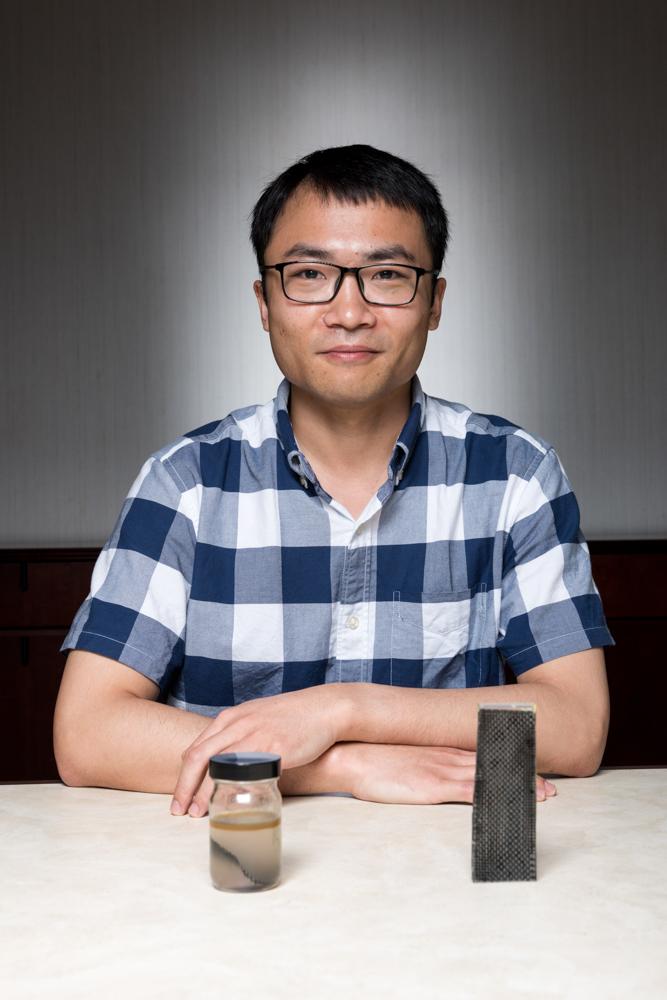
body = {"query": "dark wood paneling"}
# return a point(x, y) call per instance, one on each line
point(630, 577)
point(637, 693)
point(42, 594)
point(631, 586)
point(31, 671)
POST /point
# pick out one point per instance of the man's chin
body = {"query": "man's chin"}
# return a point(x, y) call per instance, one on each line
point(350, 396)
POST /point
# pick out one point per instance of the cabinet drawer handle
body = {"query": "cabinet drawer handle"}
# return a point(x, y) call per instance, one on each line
point(24, 650)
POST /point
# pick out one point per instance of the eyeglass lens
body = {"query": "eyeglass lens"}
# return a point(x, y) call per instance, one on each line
point(382, 284)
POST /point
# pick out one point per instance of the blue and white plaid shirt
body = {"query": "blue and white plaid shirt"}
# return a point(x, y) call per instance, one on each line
point(232, 574)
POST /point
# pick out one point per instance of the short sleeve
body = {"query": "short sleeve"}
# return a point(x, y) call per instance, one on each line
point(549, 605)
point(136, 609)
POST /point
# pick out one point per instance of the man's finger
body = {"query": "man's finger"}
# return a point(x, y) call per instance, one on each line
point(199, 805)
point(544, 789)
point(547, 786)
point(216, 725)
point(462, 758)
point(458, 791)
point(195, 763)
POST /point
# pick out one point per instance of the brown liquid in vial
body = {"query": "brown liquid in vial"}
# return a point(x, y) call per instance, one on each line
point(245, 850)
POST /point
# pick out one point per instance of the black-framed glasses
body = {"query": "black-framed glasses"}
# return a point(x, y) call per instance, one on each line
point(314, 282)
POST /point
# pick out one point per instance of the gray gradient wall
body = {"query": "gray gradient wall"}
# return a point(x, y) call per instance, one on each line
point(136, 137)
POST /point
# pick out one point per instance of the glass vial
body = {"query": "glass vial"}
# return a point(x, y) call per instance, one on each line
point(245, 821)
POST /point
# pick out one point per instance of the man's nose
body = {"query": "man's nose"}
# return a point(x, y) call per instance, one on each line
point(349, 308)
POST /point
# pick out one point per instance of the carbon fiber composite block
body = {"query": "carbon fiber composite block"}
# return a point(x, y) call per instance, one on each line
point(503, 812)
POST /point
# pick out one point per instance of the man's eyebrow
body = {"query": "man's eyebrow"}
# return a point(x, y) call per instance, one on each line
point(391, 252)
point(305, 250)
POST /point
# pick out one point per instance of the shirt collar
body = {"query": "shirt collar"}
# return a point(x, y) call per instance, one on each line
point(402, 450)
point(284, 430)
point(405, 443)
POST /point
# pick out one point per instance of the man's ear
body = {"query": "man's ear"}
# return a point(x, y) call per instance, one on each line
point(436, 305)
point(258, 289)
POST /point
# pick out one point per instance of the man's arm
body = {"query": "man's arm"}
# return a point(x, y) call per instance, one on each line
point(382, 727)
point(570, 693)
point(110, 732)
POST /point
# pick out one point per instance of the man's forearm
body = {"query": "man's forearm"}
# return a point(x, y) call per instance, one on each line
point(378, 713)
point(132, 743)
point(136, 744)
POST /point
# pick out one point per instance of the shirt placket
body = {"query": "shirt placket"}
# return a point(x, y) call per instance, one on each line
point(354, 612)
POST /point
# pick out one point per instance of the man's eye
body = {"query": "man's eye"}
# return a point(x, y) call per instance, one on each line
point(309, 273)
point(387, 275)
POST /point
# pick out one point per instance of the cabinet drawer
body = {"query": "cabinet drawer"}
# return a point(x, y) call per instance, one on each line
point(31, 673)
point(637, 691)
point(42, 594)
point(631, 585)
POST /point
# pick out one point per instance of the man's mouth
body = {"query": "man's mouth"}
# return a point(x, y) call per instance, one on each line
point(350, 352)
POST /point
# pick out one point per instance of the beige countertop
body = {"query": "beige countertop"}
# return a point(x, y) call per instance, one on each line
point(105, 894)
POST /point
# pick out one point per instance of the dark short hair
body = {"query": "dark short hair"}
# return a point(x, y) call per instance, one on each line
point(355, 174)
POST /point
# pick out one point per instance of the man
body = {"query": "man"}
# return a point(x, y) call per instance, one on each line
point(339, 575)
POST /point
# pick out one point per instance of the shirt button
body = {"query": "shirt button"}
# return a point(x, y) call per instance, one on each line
point(352, 621)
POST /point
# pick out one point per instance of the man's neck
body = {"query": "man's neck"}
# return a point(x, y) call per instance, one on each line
point(348, 440)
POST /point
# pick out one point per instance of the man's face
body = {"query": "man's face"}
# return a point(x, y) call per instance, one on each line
point(303, 335)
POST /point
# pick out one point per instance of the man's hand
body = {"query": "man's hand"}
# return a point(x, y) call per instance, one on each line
point(416, 775)
point(298, 725)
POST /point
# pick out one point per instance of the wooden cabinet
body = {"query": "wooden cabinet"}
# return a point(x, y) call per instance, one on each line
point(32, 668)
point(630, 576)
point(637, 691)
point(41, 590)
point(45, 589)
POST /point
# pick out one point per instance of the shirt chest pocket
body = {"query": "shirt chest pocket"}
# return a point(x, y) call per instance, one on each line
point(432, 628)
